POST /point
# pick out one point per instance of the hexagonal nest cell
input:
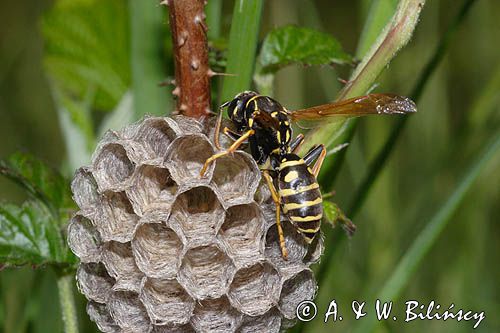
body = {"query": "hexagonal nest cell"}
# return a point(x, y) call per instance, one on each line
point(255, 289)
point(166, 302)
point(165, 250)
point(157, 250)
point(235, 178)
point(215, 315)
point(128, 312)
point(116, 219)
point(315, 250)
point(206, 272)
point(156, 133)
point(112, 166)
point(189, 125)
point(242, 231)
point(94, 282)
point(84, 240)
point(295, 245)
point(99, 314)
point(186, 156)
point(120, 264)
point(295, 290)
point(269, 322)
point(152, 189)
point(197, 214)
point(84, 188)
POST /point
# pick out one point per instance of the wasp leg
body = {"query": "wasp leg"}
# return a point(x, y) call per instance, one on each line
point(316, 152)
point(217, 130)
point(297, 142)
point(329, 195)
point(277, 202)
point(230, 150)
point(231, 134)
point(235, 136)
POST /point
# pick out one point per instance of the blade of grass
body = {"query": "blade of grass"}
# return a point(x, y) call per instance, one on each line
point(77, 150)
point(489, 96)
point(242, 46)
point(383, 155)
point(214, 11)
point(423, 243)
point(147, 65)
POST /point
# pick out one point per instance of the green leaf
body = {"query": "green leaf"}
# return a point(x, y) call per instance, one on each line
point(41, 182)
point(87, 46)
point(74, 121)
point(331, 211)
point(297, 45)
point(334, 216)
point(30, 235)
point(122, 115)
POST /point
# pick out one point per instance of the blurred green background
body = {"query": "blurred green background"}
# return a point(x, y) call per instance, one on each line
point(458, 112)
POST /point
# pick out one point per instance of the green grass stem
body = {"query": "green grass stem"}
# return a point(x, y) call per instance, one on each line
point(65, 284)
point(214, 17)
point(243, 39)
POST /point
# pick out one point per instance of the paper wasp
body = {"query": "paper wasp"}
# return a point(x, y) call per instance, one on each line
point(266, 125)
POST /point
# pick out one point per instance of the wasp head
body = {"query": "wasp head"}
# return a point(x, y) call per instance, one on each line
point(236, 106)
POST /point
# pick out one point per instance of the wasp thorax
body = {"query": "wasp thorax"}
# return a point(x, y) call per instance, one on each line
point(165, 250)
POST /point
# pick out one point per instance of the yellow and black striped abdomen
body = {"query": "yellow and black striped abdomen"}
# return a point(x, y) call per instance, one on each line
point(300, 196)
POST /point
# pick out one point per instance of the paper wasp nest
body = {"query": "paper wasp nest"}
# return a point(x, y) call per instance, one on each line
point(163, 250)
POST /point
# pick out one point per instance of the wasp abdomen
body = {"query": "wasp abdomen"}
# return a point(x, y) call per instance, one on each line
point(300, 197)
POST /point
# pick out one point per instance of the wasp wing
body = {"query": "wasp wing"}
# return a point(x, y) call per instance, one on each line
point(357, 106)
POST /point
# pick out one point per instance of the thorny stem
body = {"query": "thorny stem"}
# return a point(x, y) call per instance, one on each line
point(192, 74)
point(67, 301)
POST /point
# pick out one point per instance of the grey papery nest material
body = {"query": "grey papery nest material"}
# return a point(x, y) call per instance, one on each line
point(163, 250)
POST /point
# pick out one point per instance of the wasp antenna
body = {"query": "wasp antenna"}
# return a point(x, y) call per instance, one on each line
point(223, 105)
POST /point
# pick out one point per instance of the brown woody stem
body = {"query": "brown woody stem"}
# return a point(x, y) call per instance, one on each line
point(189, 34)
